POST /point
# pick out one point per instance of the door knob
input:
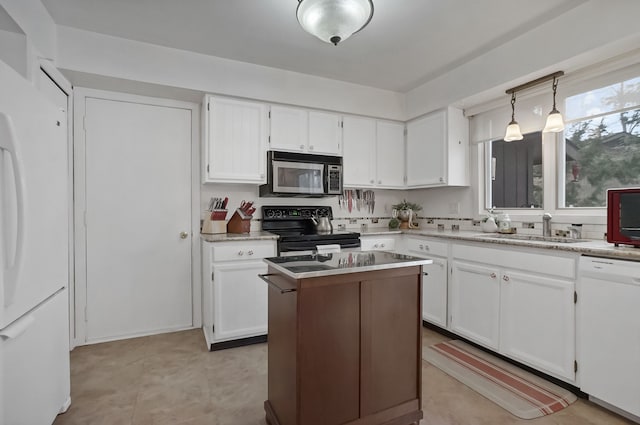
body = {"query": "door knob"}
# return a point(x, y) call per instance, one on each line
point(184, 235)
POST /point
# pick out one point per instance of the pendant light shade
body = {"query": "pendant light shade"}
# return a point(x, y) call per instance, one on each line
point(555, 123)
point(513, 129)
point(333, 21)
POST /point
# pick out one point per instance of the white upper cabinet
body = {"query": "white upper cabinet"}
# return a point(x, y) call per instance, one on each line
point(390, 155)
point(438, 150)
point(289, 129)
point(235, 134)
point(301, 130)
point(359, 152)
point(373, 153)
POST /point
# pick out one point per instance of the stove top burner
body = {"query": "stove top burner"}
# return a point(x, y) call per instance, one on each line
point(296, 229)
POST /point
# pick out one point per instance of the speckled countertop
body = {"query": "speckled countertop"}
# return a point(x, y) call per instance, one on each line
point(595, 248)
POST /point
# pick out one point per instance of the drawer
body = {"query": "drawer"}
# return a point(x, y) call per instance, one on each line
point(419, 246)
point(242, 250)
point(534, 261)
point(377, 244)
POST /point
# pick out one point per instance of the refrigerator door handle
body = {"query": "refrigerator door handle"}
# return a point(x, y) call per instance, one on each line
point(17, 328)
point(11, 268)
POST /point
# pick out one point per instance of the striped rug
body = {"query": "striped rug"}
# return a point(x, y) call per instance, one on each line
point(525, 395)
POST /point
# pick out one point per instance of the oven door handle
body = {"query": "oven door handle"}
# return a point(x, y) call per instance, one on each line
point(265, 277)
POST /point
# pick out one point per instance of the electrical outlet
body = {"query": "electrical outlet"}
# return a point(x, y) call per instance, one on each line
point(527, 225)
point(562, 233)
point(353, 221)
point(475, 222)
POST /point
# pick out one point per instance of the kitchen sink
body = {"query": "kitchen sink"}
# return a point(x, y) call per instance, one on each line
point(533, 238)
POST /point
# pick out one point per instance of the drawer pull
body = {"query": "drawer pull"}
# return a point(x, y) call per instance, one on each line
point(505, 278)
point(250, 252)
point(492, 275)
point(240, 253)
point(265, 277)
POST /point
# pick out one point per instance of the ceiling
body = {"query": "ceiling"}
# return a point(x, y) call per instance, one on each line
point(407, 43)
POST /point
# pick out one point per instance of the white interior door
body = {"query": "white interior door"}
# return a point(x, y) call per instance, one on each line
point(138, 218)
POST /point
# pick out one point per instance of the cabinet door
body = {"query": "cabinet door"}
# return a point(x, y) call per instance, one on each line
point(390, 168)
point(239, 299)
point(434, 292)
point(236, 141)
point(426, 156)
point(325, 133)
point(359, 151)
point(537, 322)
point(475, 303)
point(289, 129)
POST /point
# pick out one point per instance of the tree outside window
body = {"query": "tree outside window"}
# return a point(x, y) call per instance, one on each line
point(602, 148)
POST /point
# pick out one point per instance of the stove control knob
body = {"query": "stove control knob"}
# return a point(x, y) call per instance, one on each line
point(270, 213)
point(279, 213)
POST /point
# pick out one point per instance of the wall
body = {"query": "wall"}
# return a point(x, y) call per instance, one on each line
point(238, 192)
point(103, 55)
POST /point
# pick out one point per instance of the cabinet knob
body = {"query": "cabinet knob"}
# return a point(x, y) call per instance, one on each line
point(492, 275)
point(372, 181)
point(426, 247)
point(301, 147)
point(421, 247)
point(184, 235)
point(379, 181)
point(250, 252)
point(505, 278)
point(310, 147)
point(441, 179)
point(381, 245)
point(240, 253)
point(375, 245)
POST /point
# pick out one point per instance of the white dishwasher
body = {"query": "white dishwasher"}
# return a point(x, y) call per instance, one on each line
point(609, 332)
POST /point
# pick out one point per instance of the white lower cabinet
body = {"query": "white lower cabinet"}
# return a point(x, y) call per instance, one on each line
point(234, 297)
point(434, 277)
point(475, 303)
point(509, 301)
point(538, 321)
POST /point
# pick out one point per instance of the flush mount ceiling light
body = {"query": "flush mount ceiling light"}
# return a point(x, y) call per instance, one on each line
point(554, 120)
point(555, 123)
point(513, 129)
point(333, 21)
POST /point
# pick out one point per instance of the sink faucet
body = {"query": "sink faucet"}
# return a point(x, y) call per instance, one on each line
point(546, 224)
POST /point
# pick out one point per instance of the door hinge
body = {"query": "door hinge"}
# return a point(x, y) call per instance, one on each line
point(85, 314)
point(575, 297)
point(341, 124)
point(405, 131)
point(207, 106)
point(207, 168)
point(575, 366)
point(213, 328)
point(269, 140)
point(269, 114)
point(211, 275)
point(451, 270)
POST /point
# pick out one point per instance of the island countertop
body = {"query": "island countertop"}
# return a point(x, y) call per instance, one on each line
point(319, 265)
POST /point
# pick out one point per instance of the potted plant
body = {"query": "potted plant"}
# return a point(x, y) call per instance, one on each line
point(405, 210)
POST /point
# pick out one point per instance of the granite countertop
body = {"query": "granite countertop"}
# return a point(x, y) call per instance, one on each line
point(320, 265)
point(232, 237)
point(596, 248)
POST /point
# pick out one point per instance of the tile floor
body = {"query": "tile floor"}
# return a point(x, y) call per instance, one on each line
point(173, 379)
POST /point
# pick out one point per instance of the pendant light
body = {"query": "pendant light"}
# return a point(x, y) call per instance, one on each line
point(513, 129)
point(333, 21)
point(555, 123)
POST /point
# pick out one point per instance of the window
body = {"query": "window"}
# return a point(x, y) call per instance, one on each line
point(516, 173)
point(601, 144)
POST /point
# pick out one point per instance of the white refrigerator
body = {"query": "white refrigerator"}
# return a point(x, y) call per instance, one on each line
point(34, 263)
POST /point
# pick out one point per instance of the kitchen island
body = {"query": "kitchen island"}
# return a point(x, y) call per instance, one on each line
point(344, 339)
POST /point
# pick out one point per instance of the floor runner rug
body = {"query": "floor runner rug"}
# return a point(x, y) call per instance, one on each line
point(524, 394)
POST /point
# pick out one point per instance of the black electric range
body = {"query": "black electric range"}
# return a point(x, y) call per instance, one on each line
point(297, 231)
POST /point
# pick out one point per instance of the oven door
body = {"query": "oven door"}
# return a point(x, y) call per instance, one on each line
point(298, 177)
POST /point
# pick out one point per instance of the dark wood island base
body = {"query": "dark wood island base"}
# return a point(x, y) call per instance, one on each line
point(345, 348)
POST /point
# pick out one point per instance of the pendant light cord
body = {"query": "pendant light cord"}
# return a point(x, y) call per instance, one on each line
point(555, 89)
point(513, 106)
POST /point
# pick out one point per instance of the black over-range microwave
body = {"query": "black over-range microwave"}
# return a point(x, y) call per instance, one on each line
point(303, 175)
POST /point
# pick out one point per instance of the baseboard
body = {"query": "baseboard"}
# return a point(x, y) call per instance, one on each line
point(237, 342)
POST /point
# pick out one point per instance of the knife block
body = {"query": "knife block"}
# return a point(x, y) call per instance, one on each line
point(239, 222)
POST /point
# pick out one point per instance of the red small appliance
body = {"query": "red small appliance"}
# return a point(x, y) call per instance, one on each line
point(623, 216)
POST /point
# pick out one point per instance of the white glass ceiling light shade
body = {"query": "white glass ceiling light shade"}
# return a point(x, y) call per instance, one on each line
point(555, 123)
point(333, 21)
point(513, 129)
